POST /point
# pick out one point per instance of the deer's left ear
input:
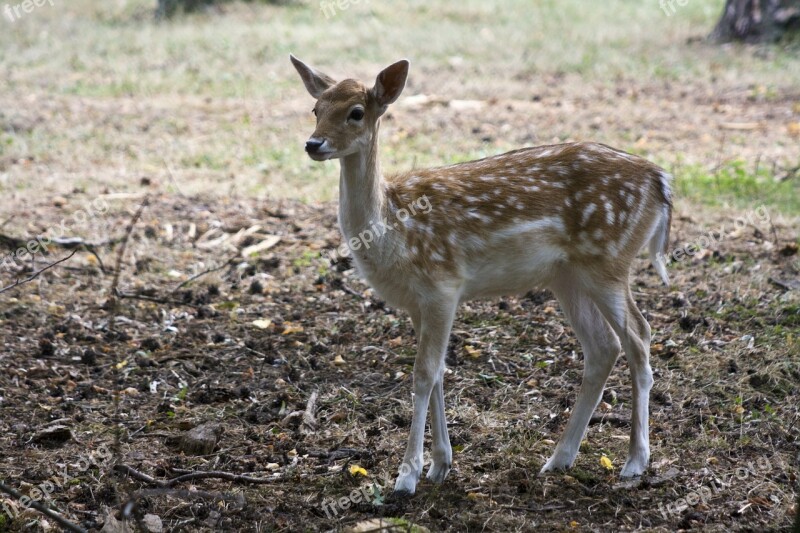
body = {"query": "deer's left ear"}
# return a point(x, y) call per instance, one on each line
point(315, 81)
point(390, 83)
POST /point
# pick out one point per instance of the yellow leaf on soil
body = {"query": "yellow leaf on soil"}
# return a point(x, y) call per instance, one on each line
point(472, 351)
point(356, 469)
point(290, 328)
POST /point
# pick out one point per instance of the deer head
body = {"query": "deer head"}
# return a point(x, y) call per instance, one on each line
point(348, 113)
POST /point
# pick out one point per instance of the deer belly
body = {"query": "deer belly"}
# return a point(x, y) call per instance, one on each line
point(512, 270)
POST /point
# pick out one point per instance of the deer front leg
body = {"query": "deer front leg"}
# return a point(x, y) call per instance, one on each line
point(442, 453)
point(433, 330)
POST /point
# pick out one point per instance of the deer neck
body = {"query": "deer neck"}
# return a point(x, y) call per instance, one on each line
point(361, 192)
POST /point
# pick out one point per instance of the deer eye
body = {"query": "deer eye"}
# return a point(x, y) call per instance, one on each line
point(314, 111)
point(356, 114)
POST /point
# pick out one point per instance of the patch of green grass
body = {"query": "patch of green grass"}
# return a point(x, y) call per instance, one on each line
point(738, 184)
point(306, 260)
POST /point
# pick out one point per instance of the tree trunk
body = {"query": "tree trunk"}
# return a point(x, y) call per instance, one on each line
point(755, 21)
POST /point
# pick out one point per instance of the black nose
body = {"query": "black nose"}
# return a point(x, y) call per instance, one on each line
point(312, 145)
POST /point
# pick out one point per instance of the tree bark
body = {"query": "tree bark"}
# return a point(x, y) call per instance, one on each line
point(756, 21)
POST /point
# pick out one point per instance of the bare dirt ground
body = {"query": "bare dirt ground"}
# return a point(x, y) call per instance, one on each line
point(248, 345)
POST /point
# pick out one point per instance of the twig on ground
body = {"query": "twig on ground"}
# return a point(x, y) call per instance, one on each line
point(157, 299)
point(537, 509)
point(309, 418)
point(190, 494)
point(124, 245)
point(613, 420)
point(63, 522)
point(338, 283)
point(236, 478)
point(201, 274)
point(36, 274)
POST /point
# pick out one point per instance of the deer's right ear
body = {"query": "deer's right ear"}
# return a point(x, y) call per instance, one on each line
point(315, 81)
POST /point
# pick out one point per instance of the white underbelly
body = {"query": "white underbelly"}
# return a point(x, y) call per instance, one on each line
point(515, 267)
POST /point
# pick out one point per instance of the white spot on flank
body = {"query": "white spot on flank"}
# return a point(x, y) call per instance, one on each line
point(589, 248)
point(634, 218)
point(609, 213)
point(587, 213)
point(547, 223)
point(478, 216)
point(598, 234)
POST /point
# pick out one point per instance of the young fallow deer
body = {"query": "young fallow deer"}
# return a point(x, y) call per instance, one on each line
point(570, 217)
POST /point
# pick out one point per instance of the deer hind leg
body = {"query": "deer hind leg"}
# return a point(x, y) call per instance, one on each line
point(434, 323)
point(601, 348)
point(620, 310)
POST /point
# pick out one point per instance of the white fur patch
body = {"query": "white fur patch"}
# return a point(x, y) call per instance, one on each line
point(587, 213)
